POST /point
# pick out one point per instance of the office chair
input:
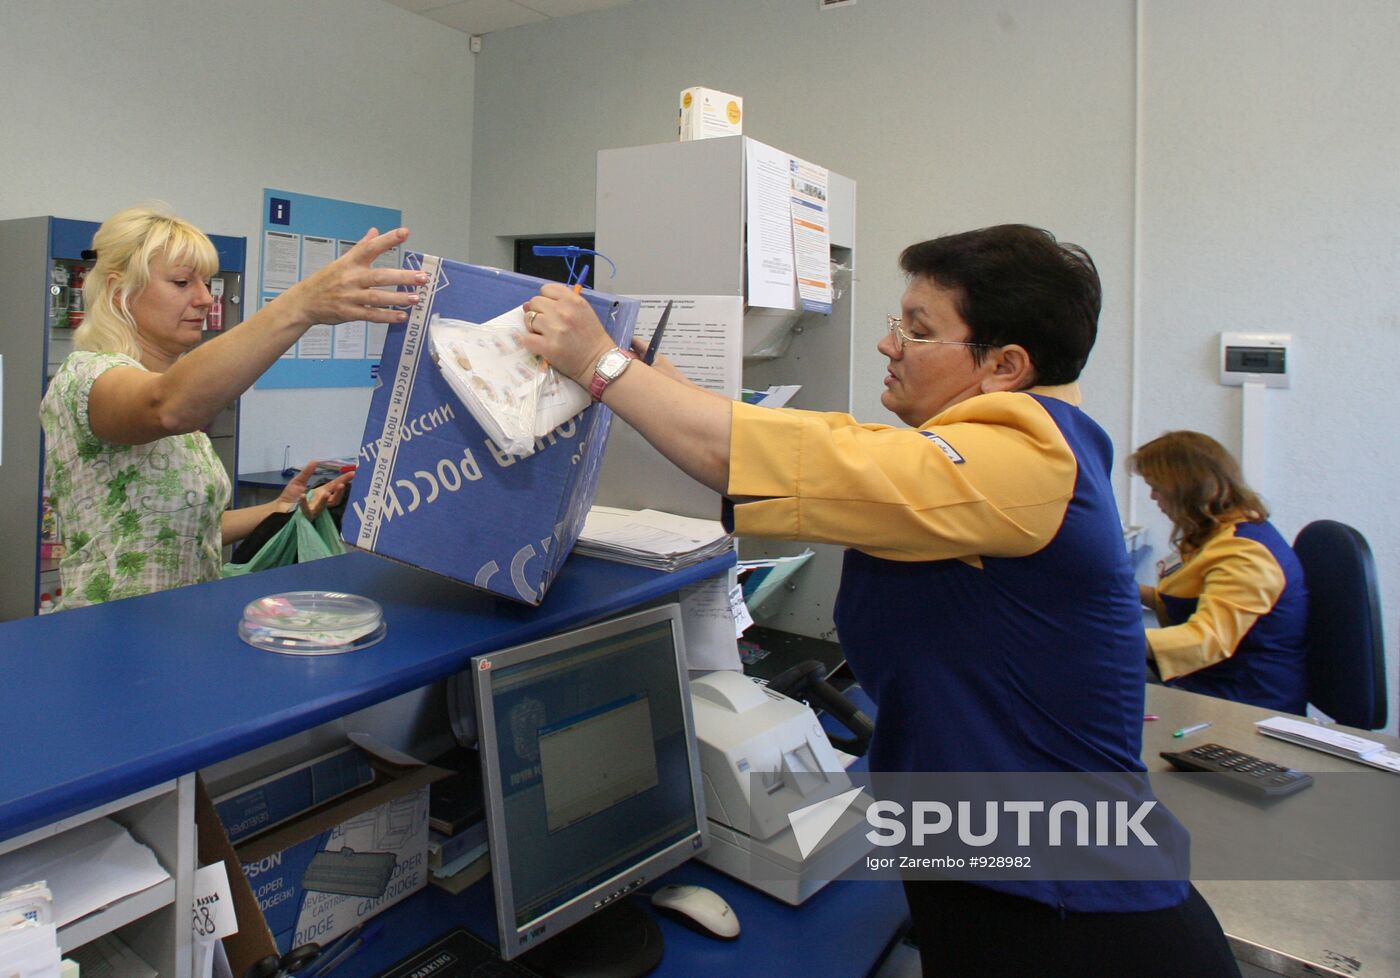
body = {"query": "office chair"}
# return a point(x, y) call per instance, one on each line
point(1345, 647)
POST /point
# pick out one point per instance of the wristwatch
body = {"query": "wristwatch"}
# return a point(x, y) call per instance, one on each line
point(608, 368)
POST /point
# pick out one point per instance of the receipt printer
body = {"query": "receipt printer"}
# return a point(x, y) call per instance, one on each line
point(765, 757)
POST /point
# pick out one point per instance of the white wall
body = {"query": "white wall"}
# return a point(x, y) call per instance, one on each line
point(1270, 203)
point(204, 104)
point(948, 116)
point(1247, 182)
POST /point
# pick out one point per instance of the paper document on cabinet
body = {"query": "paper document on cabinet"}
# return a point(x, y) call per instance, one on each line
point(87, 868)
point(704, 337)
point(772, 281)
point(811, 234)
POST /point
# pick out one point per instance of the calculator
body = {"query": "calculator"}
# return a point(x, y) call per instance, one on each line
point(1241, 771)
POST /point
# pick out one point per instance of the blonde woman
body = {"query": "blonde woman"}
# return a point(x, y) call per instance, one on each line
point(143, 497)
point(1233, 605)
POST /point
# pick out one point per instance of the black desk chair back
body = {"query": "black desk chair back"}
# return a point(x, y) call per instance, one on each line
point(1346, 651)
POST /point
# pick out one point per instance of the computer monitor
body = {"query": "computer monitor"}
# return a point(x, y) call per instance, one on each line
point(591, 777)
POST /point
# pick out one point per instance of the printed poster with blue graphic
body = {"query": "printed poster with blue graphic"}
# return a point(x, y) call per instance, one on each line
point(300, 235)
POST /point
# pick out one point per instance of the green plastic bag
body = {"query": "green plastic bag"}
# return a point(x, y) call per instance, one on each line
point(299, 541)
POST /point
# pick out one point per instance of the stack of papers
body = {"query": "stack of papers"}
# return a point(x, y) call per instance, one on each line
point(86, 868)
point(1331, 741)
point(650, 538)
point(28, 936)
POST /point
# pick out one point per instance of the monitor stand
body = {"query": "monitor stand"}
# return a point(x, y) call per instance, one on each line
point(622, 941)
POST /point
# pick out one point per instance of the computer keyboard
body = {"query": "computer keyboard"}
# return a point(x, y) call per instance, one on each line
point(1240, 771)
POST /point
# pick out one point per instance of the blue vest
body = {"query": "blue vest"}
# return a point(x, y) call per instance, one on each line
point(1269, 667)
point(1031, 663)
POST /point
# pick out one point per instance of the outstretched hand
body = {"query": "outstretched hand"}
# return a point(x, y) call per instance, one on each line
point(296, 492)
point(351, 288)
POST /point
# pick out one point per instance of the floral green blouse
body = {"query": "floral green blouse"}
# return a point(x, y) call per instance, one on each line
point(135, 518)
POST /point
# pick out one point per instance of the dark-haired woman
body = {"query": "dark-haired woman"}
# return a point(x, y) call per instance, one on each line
point(987, 602)
point(1233, 607)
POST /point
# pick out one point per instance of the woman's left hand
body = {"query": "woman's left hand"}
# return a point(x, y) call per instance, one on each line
point(330, 494)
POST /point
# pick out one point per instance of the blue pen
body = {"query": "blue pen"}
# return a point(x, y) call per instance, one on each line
point(368, 934)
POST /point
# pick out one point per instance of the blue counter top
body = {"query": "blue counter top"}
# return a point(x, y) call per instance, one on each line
point(97, 703)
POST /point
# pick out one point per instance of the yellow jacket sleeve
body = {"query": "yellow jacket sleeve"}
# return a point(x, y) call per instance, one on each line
point(1238, 581)
point(991, 476)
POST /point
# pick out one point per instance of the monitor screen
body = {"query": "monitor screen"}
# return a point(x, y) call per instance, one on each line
point(590, 770)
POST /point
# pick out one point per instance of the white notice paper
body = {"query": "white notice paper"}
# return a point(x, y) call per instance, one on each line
point(350, 341)
point(704, 337)
point(707, 620)
point(738, 610)
point(315, 343)
point(281, 260)
point(316, 254)
point(213, 904)
point(772, 281)
point(374, 338)
point(811, 235)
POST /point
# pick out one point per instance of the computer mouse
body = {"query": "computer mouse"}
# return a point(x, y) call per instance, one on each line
point(702, 907)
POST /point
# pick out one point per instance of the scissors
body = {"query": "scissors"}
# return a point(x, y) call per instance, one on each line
point(299, 960)
point(655, 343)
point(294, 960)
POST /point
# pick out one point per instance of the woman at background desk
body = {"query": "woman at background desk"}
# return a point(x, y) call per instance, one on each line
point(1233, 607)
point(142, 497)
point(987, 603)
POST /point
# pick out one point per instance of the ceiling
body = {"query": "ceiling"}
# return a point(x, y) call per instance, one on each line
point(485, 16)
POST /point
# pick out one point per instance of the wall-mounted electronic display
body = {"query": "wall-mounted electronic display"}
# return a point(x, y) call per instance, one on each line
point(1262, 358)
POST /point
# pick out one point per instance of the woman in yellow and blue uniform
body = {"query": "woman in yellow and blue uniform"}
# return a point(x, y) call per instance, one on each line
point(1234, 607)
point(987, 601)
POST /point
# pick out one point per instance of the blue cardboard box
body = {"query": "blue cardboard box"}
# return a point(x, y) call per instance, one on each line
point(434, 491)
point(288, 794)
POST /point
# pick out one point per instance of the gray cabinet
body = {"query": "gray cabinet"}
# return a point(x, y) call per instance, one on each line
point(672, 217)
point(154, 922)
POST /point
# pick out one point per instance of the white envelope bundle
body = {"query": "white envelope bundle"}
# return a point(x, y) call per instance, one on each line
point(512, 394)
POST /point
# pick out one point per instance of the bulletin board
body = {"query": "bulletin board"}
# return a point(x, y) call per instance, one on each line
point(300, 235)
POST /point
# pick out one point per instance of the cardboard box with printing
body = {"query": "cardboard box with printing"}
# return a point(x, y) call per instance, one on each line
point(339, 864)
point(433, 490)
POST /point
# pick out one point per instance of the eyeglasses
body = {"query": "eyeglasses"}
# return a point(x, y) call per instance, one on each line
point(900, 337)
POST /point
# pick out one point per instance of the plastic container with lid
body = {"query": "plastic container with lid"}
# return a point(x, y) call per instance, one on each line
point(312, 623)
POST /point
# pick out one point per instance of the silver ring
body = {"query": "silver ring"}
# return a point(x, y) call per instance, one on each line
point(530, 318)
